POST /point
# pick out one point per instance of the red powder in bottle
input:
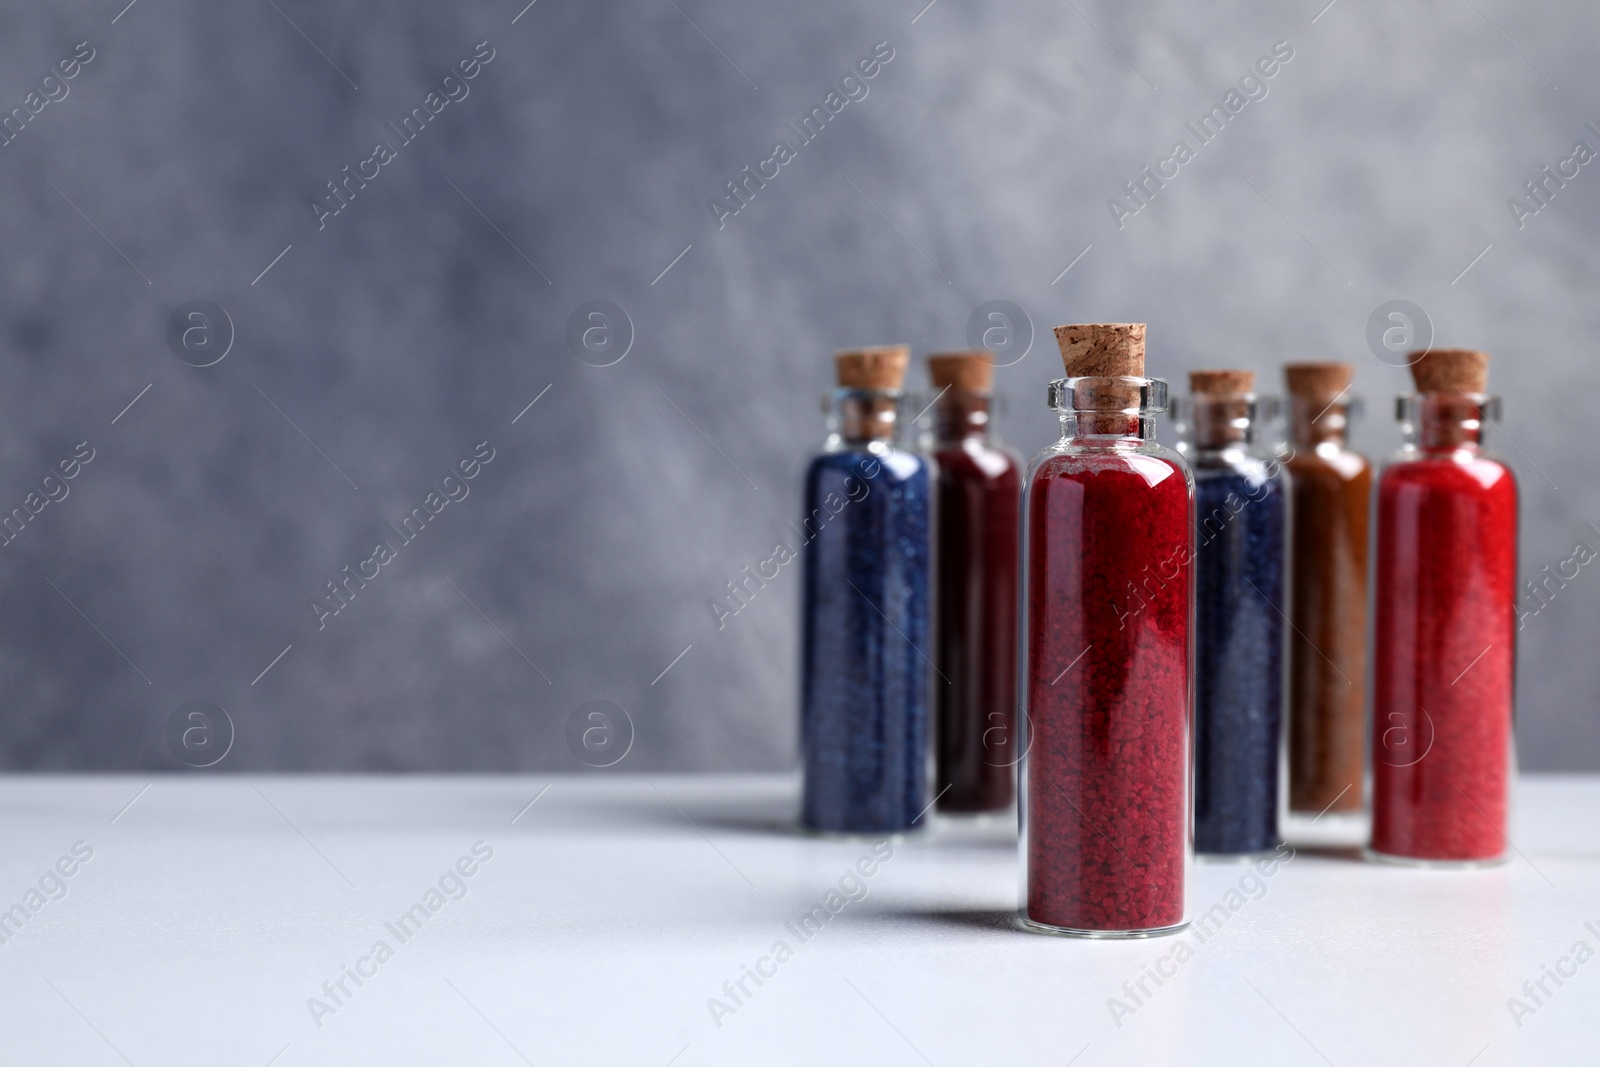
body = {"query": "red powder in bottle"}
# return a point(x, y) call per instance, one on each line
point(1108, 591)
point(1445, 644)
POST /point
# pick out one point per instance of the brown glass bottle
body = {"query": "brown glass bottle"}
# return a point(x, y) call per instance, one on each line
point(979, 500)
point(1331, 489)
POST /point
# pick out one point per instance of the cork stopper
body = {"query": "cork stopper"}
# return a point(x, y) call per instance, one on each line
point(1102, 349)
point(1450, 370)
point(1315, 391)
point(1320, 381)
point(1222, 382)
point(877, 367)
point(971, 371)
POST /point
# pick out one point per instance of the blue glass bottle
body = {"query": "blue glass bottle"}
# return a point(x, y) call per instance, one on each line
point(1241, 504)
point(866, 675)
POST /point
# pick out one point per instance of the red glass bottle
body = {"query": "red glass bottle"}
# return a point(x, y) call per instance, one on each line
point(975, 596)
point(1444, 645)
point(1106, 842)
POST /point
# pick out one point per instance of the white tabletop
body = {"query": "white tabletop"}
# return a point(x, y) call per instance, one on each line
point(612, 910)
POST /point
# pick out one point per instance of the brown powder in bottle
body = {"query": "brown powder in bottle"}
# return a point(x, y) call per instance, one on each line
point(1331, 487)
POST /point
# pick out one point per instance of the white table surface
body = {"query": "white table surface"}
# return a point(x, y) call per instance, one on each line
point(212, 908)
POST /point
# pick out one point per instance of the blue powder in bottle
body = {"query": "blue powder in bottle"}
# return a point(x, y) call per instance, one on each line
point(1239, 604)
point(866, 676)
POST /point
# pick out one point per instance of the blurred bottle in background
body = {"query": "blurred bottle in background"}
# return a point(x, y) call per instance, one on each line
point(865, 667)
point(975, 596)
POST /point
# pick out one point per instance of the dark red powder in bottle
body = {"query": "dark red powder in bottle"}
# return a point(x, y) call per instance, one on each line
point(1445, 635)
point(1107, 586)
point(980, 499)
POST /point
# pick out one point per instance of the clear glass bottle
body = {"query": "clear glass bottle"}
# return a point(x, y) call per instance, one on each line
point(975, 593)
point(1241, 504)
point(865, 668)
point(1105, 805)
point(1330, 491)
point(1444, 641)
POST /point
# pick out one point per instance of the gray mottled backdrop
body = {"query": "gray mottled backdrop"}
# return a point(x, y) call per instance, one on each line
point(386, 341)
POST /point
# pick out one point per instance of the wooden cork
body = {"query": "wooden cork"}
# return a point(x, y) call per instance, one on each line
point(971, 371)
point(1450, 370)
point(1102, 349)
point(1222, 382)
point(877, 367)
point(1319, 381)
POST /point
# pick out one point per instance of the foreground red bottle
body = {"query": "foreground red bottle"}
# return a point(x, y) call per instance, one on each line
point(975, 592)
point(1106, 844)
point(1445, 634)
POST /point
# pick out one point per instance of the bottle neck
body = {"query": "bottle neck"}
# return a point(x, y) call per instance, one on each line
point(962, 415)
point(1212, 424)
point(1111, 412)
point(1218, 422)
point(864, 416)
point(1108, 428)
point(1446, 422)
point(1314, 421)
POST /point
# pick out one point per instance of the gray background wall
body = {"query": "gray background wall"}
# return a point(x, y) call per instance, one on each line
point(433, 308)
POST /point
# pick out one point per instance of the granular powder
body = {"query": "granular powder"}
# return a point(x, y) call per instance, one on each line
point(1327, 647)
point(1443, 657)
point(976, 629)
point(1238, 701)
point(1108, 594)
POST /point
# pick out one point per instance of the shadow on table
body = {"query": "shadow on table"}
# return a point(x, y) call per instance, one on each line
point(704, 817)
point(655, 810)
point(748, 822)
point(985, 920)
point(1329, 852)
point(783, 822)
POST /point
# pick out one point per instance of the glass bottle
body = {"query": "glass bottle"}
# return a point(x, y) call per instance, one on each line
point(1241, 502)
point(865, 669)
point(1444, 646)
point(1330, 488)
point(1105, 843)
point(979, 498)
